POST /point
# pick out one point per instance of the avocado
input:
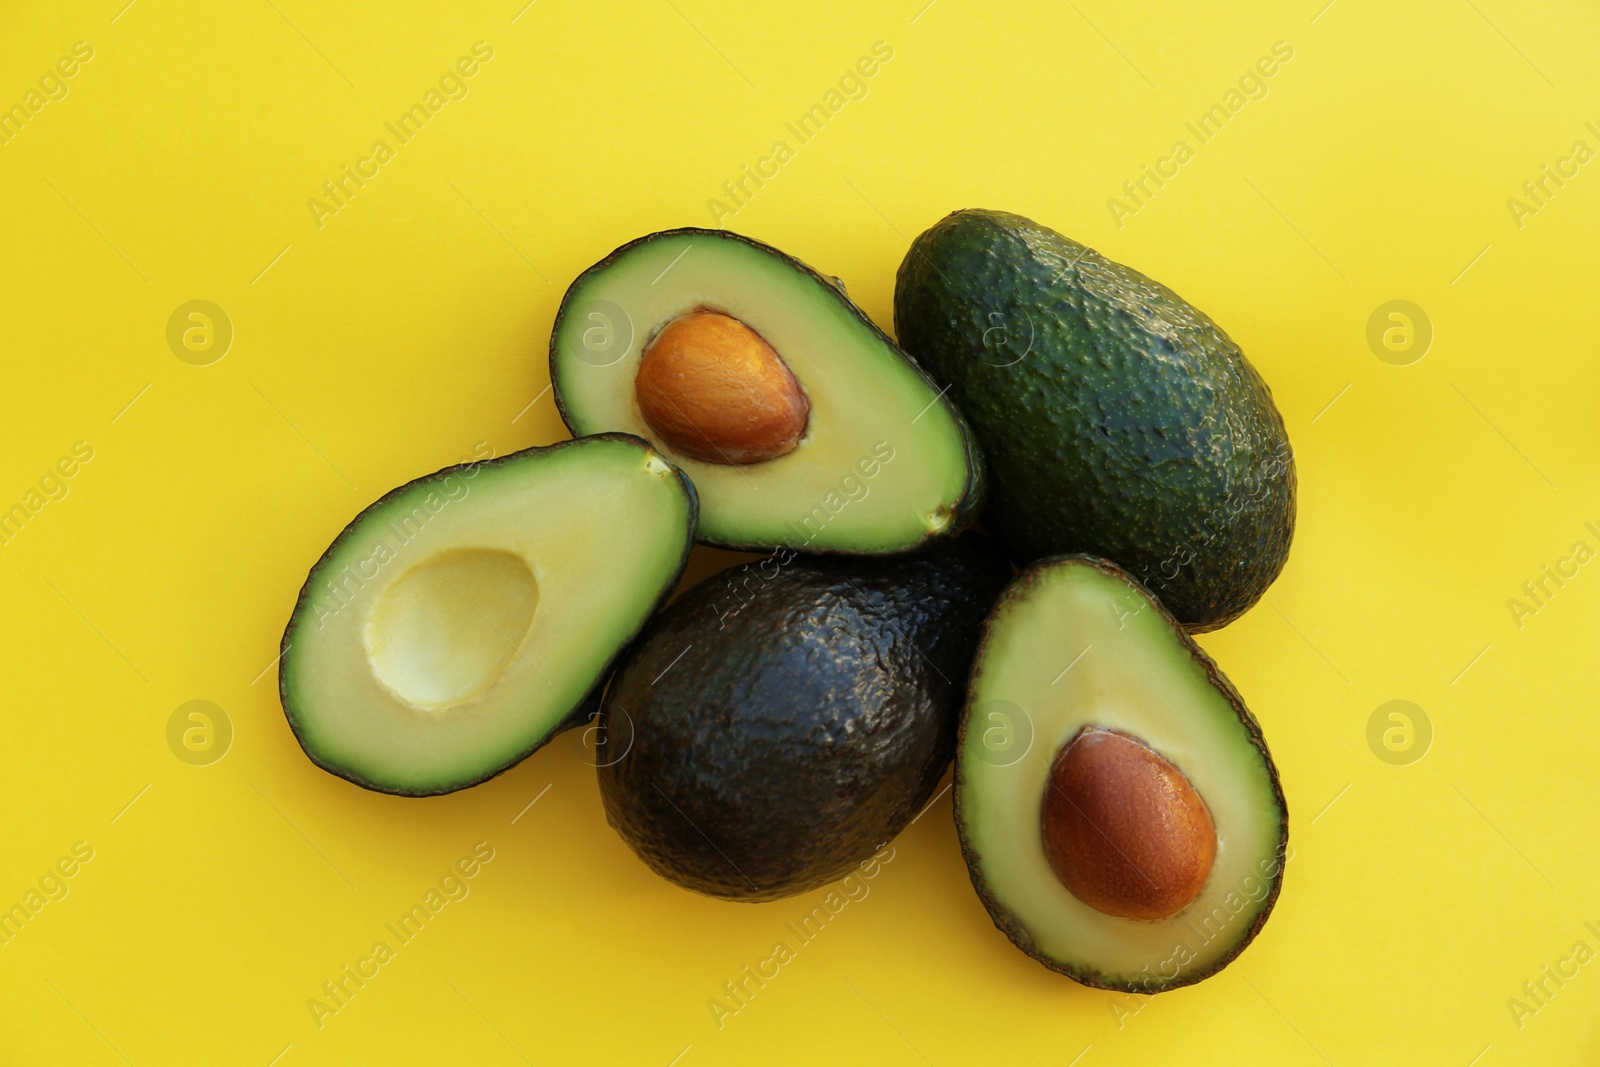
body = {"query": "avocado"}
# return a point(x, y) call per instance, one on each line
point(1116, 418)
point(1119, 812)
point(799, 421)
point(464, 618)
point(783, 719)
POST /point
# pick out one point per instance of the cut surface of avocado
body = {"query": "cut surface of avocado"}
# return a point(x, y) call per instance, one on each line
point(1074, 654)
point(814, 431)
point(464, 618)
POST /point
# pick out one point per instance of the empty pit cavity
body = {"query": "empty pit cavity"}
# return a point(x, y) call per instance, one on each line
point(448, 628)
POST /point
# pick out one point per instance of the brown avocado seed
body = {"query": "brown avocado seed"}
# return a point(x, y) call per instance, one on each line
point(1124, 829)
point(711, 388)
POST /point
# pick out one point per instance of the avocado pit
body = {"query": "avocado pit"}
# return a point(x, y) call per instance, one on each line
point(1124, 830)
point(713, 389)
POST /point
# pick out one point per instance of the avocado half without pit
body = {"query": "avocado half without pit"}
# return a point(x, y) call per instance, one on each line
point(1119, 812)
point(801, 424)
point(463, 619)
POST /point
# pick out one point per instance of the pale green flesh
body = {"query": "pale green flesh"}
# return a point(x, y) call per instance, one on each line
point(463, 620)
point(1132, 674)
point(882, 463)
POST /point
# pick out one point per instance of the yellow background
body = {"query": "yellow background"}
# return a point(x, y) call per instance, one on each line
point(414, 323)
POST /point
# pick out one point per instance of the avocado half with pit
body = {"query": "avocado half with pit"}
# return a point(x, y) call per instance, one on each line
point(1120, 815)
point(801, 424)
point(466, 617)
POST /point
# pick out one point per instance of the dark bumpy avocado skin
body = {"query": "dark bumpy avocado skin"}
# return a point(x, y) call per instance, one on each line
point(790, 715)
point(1116, 418)
point(973, 494)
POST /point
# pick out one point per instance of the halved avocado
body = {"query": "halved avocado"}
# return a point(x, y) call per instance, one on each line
point(1120, 815)
point(801, 424)
point(464, 618)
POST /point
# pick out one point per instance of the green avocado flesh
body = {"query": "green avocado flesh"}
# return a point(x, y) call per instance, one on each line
point(464, 618)
point(885, 463)
point(1074, 642)
point(1115, 418)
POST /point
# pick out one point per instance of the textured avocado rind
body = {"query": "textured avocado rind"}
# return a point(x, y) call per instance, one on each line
point(782, 720)
point(1004, 919)
point(1116, 418)
point(581, 712)
point(968, 506)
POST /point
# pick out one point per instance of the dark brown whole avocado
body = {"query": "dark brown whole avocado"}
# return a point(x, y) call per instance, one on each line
point(779, 722)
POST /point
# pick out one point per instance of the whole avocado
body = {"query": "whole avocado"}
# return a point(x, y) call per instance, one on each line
point(783, 719)
point(1117, 419)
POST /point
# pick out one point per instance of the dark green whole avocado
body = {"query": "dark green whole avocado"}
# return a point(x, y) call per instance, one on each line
point(780, 721)
point(1117, 419)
